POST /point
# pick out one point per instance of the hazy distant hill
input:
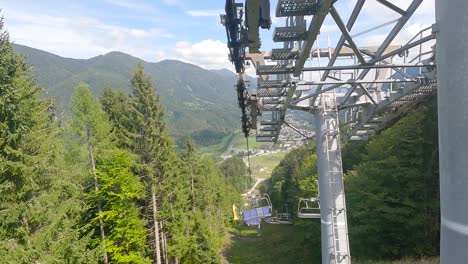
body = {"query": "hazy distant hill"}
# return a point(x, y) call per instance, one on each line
point(195, 99)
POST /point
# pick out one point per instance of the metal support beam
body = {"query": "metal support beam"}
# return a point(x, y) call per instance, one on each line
point(392, 7)
point(452, 80)
point(352, 19)
point(396, 29)
point(334, 228)
point(367, 93)
point(323, 178)
point(360, 82)
point(344, 30)
point(367, 67)
point(374, 28)
point(316, 93)
point(402, 49)
point(312, 34)
point(287, 101)
point(297, 130)
point(372, 54)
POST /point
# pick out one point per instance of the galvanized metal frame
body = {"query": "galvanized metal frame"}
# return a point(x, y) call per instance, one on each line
point(365, 110)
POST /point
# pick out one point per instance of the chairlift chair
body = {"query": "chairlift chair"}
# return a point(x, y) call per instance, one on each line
point(279, 219)
point(309, 208)
point(260, 208)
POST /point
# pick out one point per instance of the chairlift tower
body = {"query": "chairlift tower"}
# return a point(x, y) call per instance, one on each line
point(350, 102)
point(452, 74)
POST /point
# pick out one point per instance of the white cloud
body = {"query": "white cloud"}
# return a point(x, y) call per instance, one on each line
point(173, 2)
point(210, 54)
point(79, 37)
point(380, 14)
point(135, 5)
point(205, 13)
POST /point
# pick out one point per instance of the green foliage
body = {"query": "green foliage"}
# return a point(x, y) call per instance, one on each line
point(216, 151)
point(295, 177)
point(353, 152)
point(189, 190)
point(117, 106)
point(279, 244)
point(119, 191)
point(147, 125)
point(391, 187)
point(240, 142)
point(82, 193)
point(38, 205)
point(394, 191)
point(236, 173)
point(211, 202)
point(89, 122)
point(207, 137)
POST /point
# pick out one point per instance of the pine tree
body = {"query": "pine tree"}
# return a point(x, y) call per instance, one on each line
point(91, 131)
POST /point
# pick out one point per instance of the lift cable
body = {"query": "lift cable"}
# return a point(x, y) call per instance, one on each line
point(248, 158)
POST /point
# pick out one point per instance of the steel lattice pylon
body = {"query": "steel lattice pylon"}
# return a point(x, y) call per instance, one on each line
point(350, 101)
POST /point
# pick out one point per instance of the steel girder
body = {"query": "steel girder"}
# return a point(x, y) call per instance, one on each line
point(297, 49)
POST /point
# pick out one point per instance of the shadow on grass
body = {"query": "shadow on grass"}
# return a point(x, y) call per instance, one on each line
point(287, 244)
point(281, 244)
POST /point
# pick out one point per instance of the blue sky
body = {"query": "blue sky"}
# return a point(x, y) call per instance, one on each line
point(187, 30)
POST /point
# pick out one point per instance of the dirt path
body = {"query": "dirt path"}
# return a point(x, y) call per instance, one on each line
point(257, 182)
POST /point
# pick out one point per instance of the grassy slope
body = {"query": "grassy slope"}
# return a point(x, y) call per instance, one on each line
point(280, 244)
point(403, 261)
point(218, 149)
point(240, 142)
point(262, 166)
point(284, 244)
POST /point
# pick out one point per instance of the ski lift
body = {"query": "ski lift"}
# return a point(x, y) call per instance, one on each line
point(308, 208)
point(279, 219)
point(260, 208)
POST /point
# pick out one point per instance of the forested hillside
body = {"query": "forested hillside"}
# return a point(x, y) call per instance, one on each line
point(391, 186)
point(196, 100)
point(106, 184)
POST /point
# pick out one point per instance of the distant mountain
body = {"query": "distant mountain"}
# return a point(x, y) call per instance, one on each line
point(195, 99)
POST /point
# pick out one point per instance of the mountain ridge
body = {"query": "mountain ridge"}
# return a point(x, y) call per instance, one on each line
point(195, 98)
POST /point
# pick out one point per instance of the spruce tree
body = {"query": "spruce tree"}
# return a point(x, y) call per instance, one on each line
point(117, 107)
point(38, 205)
point(150, 145)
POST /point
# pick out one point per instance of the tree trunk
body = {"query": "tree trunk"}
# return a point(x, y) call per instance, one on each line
point(156, 227)
point(99, 206)
point(24, 222)
point(164, 245)
point(192, 190)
